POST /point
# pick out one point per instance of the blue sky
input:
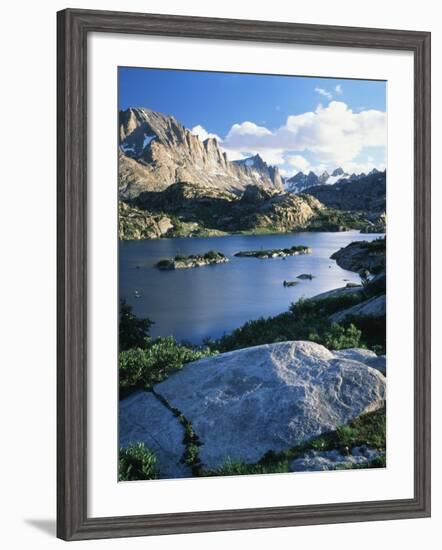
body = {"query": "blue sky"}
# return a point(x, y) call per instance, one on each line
point(298, 123)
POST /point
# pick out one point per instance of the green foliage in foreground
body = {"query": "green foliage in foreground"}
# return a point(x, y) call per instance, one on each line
point(237, 468)
point(306, 320)
point(145, 367)
point(132, 330)
point(368, 429)
point(373, 330)
point(137, 462)
point(144, 361)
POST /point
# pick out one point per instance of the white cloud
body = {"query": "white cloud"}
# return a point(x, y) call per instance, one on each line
point(328, 137)
point(338, 89)
point(333, 135)
point(359, 167)
point(298, 163)
point(202, 133)
point(246, 129)
point(323, 92)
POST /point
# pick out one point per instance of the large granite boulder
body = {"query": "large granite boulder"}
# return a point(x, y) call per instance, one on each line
point(143, 418)
point(245, 403)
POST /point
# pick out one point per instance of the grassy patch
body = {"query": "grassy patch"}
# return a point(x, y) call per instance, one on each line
point(158, 359)
point(307, 319)
point(132, 329)
point(292, 251)
point(368, 429)
point(137, 462)
point(237, 468)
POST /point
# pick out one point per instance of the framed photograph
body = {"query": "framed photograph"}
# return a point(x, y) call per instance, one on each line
point(243, 274)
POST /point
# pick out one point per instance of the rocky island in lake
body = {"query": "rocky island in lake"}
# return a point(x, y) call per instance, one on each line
point(274, 252)
point(194, 260)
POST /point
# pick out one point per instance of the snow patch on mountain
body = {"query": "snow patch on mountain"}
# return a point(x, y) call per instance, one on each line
point(300, 181)
point(147, 139)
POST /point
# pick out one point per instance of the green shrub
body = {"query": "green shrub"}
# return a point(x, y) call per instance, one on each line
point(339, 337)
point(144, 367)
point(179, 257)
point(325, 306)
point(164, 264)
point(236, 468)
point(373, 329)
point(137, 462)
point(306, 320)
point(132, 330)
point(212, 255)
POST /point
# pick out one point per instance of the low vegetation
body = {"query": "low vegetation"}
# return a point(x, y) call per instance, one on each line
point(132, 329)
point(137, 462)
point(143, 367)
point(274, 252)
point(306, 320)
point(193, 260)
point(368, 429)
point(145, 361)
point(332, 220)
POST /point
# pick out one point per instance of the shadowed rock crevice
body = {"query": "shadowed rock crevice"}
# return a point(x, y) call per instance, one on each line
point(143, 418)
point(191, 441)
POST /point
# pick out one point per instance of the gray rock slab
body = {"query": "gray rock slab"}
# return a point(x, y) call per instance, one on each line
point(380, 363)
point(374, 307)
point(314, 461)
point(336, 292)
point(143, 418)
point(245, 403)
point(365, 356)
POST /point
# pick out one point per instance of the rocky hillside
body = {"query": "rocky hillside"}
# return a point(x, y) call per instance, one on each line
point(194, 210)
point(367, 193)
point(135, 223)
point(362, 256)
point(157, 151)
point(369, 260)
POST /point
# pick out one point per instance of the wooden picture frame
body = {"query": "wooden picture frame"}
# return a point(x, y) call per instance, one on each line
point(73, 28)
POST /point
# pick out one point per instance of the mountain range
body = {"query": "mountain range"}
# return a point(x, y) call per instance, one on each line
point(173, 183)
point(157, 151)
point(301, 181)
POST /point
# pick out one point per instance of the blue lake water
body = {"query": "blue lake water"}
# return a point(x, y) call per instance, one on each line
point(208, 301)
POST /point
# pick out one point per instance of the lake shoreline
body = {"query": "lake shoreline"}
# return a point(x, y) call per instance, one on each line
point(193, 304)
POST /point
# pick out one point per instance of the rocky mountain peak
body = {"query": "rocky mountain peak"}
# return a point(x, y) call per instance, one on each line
point(338, 172)
point(323, 177)
point(157, 151)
